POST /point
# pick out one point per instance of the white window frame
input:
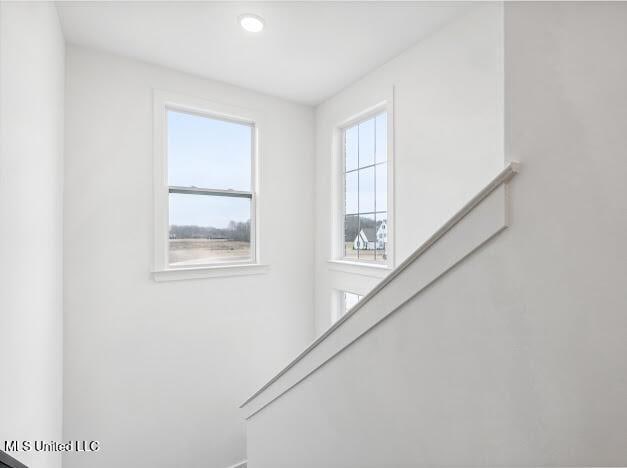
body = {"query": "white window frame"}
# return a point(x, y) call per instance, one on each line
point(338, 261)
point(162, 271)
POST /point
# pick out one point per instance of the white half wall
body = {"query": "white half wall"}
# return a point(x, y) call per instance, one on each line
point(448, 137)
point(31, 201)
point(516, 357)
point(156, 371)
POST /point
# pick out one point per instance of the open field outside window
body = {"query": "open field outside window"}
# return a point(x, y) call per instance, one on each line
point(210, 190)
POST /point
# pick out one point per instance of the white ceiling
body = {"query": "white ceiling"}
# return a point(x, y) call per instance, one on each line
point(307, 52)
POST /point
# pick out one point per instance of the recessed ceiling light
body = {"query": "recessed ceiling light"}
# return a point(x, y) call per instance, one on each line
point(251, 23)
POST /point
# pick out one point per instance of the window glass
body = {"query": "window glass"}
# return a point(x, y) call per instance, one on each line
point(352, 192)
point(366, 190)
point(345, 301)
point(208, 228)
point(366, 248)
point(381, 199)
point(381, 233)
point(207, 152)
point(366, 143)
point(351, 230)
point(350, 300)
point(351, 148)
point(210, 190)
point(381, 133)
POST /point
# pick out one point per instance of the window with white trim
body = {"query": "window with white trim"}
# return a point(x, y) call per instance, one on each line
point(350, 300)
point(211, 189)
point(365, 200)
point(346, 301)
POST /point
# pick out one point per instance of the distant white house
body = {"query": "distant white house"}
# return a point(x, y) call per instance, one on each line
point(368, 239)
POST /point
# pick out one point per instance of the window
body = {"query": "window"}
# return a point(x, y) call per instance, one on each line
point(365, 214)
point(346, 301)
point(209, 162)
point(205, 189)
point(350, 300)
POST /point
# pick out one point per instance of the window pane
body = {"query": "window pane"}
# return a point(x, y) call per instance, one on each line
point(381, 237)
point(366, 143)
point(351, 148)
point(351, 229)
point(351, 193)
point(366, 190)
point(382, 187)
point(350, 300)
point(208, 229)
point(381, 127)
point(367, 236)
point(208, 153)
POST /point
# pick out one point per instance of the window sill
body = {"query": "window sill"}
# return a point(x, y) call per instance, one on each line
point(359, 268)
point(217, 271)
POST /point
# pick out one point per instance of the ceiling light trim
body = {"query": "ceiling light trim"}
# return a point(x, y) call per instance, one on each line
point(251, 23)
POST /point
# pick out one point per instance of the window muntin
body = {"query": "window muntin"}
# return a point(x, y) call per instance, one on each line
point(211, 190)
point(365, 190)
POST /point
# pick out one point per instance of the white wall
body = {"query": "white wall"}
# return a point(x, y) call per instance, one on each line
point(448, 136)
point(517, 356)
point(156, 371)
point(31, 187)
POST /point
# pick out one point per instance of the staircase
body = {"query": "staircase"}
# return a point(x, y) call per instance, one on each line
point(242, 464)
point(7, 461)
point(300, 405)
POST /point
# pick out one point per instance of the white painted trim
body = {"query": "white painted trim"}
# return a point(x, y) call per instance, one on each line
point(337, 305)
point(163, 100)
point(482, 218)
point(214, 271)
point(384, 102)
point(391, 178)
point(372, 270)
point(241, 464)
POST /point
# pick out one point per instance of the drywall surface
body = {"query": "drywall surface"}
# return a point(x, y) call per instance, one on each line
point(517, 356)
point(31, 194)
point(156, 371)
point(448, 138)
